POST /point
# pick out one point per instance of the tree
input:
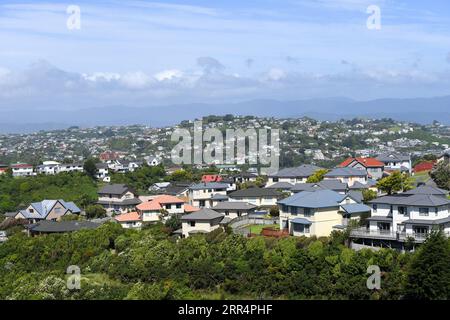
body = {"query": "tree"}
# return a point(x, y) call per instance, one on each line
point(441, 175)
point(317, 176)
point(369, 195)
point(90, 167)
point(95, 211)
point(274, 211)
point(428, 277)
point(174, 222)
point(395, 182)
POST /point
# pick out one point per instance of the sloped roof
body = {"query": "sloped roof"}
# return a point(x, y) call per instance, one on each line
point(158, 202)
point(234, 205)
point(128, 217)
point(208, 185)
point(302, 171)
point(117, 189)
point(389, 157)
point(316, 199)
point(413, 200)
point(281, 185)
point(366, 162)
point(301, 221)
point(355, 208)
point(203, 214)
point(346, 172)
point(63, 226)
point(188, 208)
point(427, 190)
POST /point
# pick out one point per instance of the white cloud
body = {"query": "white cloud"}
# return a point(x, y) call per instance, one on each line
point(169, 75)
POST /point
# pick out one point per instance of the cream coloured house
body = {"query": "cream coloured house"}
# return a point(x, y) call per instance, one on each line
point(260, 197)
point(153, 210)
point(348, 175)
point(292, 175)
point(318, 213)
point(47, 210)
point(118, 198)
point(201, 194)
point(203, 221)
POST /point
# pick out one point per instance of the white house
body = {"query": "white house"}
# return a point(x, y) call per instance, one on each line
point(348, 175)
point(260, 197)
point(152, 210)
point(293, 175)
point(396, 161)
point(234, 209)
point(200, 195)
point(203, 221)
point(22, 170)
point(130, 220)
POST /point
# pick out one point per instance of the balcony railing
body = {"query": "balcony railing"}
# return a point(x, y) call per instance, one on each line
point(389, 235)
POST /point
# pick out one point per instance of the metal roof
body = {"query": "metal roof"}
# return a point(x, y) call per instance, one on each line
point(346, 172)
point(234, 205)
point(302, 171)
point(355, 208)
point(203, 214)
point(316, 199)
point(301, 221)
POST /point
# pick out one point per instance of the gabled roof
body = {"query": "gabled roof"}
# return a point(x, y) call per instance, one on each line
point(128, 217)
point(234, 205)
point(43, 208)
point(254, 192)
point(203, 214)
point(158, 202)
point(316, 199)
point(346, 172)
point(63, 226)
point(356, 195)
point(219, 197)
point(396, 157)
point(355, 208)
point(413, 200)
point(329, 184)
point(281, 185)
point(188, 208)
point(428, 190)
point(366, 162)
point(117, 189)
point(302, 171)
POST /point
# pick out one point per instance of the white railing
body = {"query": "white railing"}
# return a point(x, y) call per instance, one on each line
point(367, 233)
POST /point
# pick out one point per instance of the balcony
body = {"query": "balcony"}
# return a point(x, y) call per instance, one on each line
point(373, 234)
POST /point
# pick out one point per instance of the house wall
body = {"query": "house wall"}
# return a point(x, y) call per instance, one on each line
point(258, 201)
point(201, 226)
point(131, 224)
point(295, 180)
point(116, 198)
point(150, 216)
point(349, 180)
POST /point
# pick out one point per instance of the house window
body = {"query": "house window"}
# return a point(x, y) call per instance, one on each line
point(300, 228)
point(202, 203)
point(375, 208)
point(192, 223)
point(178, 205)
point(402, 210)
point(307, 212)
point(436, 211)
point(227, 213)
point(31, 210)
point(383, 226)
point(275, 179)
point(239, 213)
point(168, 206)
point(424, 212)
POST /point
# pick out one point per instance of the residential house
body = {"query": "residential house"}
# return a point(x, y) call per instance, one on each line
point(396, 162)
point(47, 167)
point(347, 175)
point(234, 209)
point(281, 186)
point(200, 195)
point(293, 175)
point(49, 227)
point(118, 198)
point(374, 167)
point(318, 213)
point(260, 197)
point(152, 210)
point(330, 184)
point(445, 156)
point(202, 221)
point(47, 210)
point(152, 161)
point(130, 220)
point(22, 170)
point(3, 168)
point(70, 167)
point(102, 172)
point(397, 218)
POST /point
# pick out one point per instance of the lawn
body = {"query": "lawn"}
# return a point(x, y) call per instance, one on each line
point(256, 229)
point(421, 177)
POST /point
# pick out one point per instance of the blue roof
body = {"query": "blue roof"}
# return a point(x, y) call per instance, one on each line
point(315, 199)
point(355, 208)
point(301, 221)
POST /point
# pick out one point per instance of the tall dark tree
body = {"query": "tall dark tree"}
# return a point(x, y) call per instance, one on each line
point(90, 168)
point(441, 175)
point(428, 277)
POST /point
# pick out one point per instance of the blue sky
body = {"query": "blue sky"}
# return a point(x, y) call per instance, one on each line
point(140, 53)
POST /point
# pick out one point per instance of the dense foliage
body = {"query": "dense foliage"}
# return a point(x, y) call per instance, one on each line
point(16, 193)
point(126, 264)
point(441, 175)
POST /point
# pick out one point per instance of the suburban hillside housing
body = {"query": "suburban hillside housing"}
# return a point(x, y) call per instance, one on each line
point(118, 198)
point(318, 213)
point(396, 162)
point(397, 218)
point(152, 210)
point(260, 197)
point(200, 194)
point(293, 175)
point(373, 167)
point(129, 220)
point(46, 210)
point(203, 221)
point(22, 170)
point(234, 209)
point(348, 175)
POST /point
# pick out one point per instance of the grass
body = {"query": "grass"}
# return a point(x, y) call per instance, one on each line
point(256, 229)
point(421, 177)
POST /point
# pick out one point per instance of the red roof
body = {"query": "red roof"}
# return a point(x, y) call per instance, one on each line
point(189, 209)
point(211, 178)
point(21, 165)
point(424, 166)
point(128, 217)
point(156, 203)
point(366, 162)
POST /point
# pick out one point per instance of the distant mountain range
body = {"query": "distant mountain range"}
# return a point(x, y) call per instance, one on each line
point(419, 110)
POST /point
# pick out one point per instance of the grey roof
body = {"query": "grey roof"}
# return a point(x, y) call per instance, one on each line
point(63, 226)
point(42, 209)
point(126, 202)
point(219, 197)
point(204, 214)
point(427, 222)
point(395, 157)
point(101, 166)
point(10, 214)
point(346, 172)
point(209, 185)
point(427, 190)
point(316, 199)
point(234, 205)
point(118, 189)
point(301, 221)
point(355, 208)
point(330, 184)
point(281, 185)
point(302, 171)
point(356, 195)
point(413, 200)
point(254, 192)
point(225, 220)
point(359, 186)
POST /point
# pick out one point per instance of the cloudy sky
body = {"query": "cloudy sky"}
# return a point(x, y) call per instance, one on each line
point(142, 53)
